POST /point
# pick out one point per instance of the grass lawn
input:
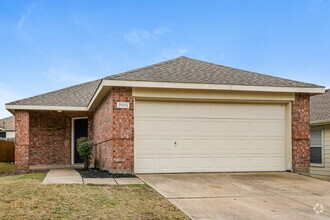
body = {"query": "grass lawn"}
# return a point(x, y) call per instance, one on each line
point(6, 166)
point(23, 197)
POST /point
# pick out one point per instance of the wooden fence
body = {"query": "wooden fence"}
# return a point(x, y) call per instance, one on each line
point(7, 151)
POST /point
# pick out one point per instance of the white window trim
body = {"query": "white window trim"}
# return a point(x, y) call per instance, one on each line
point(72, 138)
point(322, 148)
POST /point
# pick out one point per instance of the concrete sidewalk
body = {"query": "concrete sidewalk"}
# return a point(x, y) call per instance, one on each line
point(71, 176)
point(63, 176)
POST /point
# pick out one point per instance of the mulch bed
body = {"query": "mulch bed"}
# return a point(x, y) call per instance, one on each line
point(97, 173)
point(20, 172)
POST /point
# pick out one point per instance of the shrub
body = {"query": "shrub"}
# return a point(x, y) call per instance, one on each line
point(84, 148)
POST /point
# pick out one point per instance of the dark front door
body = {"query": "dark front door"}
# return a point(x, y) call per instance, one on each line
point(80, 130)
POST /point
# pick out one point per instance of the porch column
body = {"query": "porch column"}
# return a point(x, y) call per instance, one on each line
point(22, 139)
point(301, 133)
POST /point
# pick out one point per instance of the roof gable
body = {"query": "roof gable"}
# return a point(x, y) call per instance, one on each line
point(187, 70)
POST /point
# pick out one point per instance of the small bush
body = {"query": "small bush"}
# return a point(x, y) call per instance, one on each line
point(84, 148)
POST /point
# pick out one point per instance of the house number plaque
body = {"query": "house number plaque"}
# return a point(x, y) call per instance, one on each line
point(122, 104)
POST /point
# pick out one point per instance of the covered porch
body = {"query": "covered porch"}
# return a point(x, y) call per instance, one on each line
point(47, 139)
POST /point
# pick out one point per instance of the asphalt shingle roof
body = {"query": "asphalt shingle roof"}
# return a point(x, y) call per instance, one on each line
point(179, 70)
point(187, 70)
point(76, 96)
point(320, 106)
point(7, 123)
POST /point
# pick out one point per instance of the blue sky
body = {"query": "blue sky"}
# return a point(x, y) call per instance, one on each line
point(48, 45)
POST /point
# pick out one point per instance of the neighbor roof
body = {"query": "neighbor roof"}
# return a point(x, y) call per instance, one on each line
point(179, 70)
point(320, 106)
point(187, 70)
point(7, 123)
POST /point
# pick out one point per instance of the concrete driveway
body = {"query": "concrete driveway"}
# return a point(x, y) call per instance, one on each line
point(264, 195)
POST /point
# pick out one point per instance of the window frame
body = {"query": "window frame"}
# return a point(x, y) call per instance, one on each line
point(319, 128)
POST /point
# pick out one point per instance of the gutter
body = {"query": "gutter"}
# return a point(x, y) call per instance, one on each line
point(320, 122)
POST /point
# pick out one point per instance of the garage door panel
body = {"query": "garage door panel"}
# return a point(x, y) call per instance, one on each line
point(145, 164)
point(184, 126)
point(221, 126)
point(164, 125)
point(166, 163)
point(184, 163)
point(203, 162)
point(146, 145)
point(144, 126)
point(164, 145)
point(209, 137)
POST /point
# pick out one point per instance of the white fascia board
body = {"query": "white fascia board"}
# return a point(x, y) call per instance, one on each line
point(168, 85)
point(211, 86)
point(39, 107)
point(96, 94)
point(320, 122)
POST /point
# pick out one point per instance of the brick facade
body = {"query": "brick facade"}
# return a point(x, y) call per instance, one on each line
point(22, 139)
point(113, 131)
point(301, 133)
point(50, 137)
point(44, 137)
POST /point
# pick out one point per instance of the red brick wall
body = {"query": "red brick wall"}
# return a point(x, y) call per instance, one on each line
point(113, 131)
point(22, 139)
point(301, 133)
point(102, 128)
point(49, 137)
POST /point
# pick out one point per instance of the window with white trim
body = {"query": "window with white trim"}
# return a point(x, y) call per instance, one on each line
point(316, 147)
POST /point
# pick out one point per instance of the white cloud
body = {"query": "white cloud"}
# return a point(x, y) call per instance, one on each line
point(7, 94)
point(173, 52)
point(140, 37)
point(20, 23)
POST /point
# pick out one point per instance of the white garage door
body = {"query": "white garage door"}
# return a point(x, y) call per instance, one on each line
point(175, 137)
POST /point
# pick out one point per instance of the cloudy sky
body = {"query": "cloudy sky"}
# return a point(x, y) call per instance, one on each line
point(48, 45)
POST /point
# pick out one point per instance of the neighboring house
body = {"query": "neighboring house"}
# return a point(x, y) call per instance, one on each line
point(7, 128)
point(320, 135)
point(182, 115)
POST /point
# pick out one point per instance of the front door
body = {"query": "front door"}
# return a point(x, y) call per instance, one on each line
point(80, 130)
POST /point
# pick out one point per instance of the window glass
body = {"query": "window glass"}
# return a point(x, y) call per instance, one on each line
point(316, 146)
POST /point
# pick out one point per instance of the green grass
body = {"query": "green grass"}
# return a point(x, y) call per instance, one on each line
point(24, 197)
point(6, 166)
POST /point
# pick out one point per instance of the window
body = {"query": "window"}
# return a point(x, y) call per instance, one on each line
point(316, 147)
point(2, 134)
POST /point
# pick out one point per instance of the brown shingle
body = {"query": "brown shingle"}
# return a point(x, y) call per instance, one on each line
point(7, 123)
point(320, 106)
point(179, 70)
point(187, 70)
point(77, 96)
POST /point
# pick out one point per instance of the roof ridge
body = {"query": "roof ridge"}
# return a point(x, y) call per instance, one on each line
point(266, 75)
point(143, 68)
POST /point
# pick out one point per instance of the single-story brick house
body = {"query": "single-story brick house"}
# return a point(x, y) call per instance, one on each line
point(320, 135)
point(181, 115)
